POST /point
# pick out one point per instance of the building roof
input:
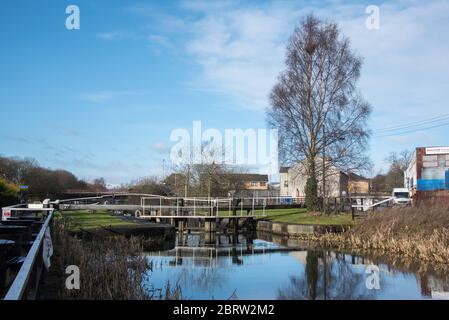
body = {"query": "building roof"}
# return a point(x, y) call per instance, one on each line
point(283, 169)
point(356, 177)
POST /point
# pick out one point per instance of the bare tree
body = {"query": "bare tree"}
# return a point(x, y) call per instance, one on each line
point(399, 160)
point(316, 105)
point(398, 163)
point(209, 177)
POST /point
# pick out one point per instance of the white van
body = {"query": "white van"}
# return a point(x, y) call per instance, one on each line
point(401, 196)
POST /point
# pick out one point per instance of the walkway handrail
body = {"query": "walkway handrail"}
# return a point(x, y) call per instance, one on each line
point(369, 206)
point(21, 281)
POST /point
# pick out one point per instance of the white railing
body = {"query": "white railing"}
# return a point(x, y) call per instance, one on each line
point(26, 282)
point(193, 207)
point(373, 205)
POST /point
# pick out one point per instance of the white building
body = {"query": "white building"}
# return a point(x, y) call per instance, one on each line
point(293, 181)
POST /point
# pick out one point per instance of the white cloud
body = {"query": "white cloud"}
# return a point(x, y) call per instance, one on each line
point(240, 52)
point(240, 49)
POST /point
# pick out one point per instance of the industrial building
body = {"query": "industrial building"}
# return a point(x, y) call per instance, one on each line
point(428, 170)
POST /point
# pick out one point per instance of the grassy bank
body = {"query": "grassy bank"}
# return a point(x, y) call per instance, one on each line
point(301, 216)
point(420, 233)
point(77, 220)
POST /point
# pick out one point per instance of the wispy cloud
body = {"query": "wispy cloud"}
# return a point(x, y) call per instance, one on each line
point(240, 51)
point(161, 148)
point(160, 40)
point(115, 35)
point(65, 130)
point(105, 96)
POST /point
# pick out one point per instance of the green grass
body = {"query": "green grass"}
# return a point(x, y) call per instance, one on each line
point(301, 216)
point(85, 220)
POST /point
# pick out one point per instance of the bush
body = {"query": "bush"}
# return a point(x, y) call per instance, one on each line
point(8, 193)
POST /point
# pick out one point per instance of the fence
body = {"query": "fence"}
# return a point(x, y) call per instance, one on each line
point(26, 282)
point(201, 207)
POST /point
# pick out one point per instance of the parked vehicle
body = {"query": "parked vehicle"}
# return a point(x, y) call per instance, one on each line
point(401, 196)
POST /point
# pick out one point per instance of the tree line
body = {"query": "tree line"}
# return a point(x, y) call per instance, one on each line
point(41, 182)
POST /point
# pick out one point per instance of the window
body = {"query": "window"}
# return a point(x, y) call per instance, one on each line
point(286, 183)
point(263, 184)
point(253, 184)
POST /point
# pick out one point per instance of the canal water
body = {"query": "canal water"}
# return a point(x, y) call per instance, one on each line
point(260, 267)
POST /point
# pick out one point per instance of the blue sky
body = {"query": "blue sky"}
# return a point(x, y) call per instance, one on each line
point(103, 100)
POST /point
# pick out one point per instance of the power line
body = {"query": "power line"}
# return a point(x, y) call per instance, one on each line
point(413, 124)
point(411, 131)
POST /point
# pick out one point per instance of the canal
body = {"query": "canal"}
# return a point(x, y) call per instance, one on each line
point(263, 267)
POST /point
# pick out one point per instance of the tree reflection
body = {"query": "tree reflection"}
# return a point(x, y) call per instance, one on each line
point(327, 276)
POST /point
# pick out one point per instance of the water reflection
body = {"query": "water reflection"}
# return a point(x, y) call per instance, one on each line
point(328, 275)
point(248, 267)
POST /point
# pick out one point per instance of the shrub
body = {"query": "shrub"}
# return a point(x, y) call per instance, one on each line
point(8, 193)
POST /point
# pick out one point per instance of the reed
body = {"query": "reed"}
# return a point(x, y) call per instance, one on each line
point(419, 233)
point(111, 268)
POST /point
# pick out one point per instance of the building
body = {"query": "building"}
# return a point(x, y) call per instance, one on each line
point(428, 170)
point(358, 184)
point(293, 181)
point(283, 182)
point(248, 185)
point(250, 181)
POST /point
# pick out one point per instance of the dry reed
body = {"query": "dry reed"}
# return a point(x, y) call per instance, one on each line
point(418, 233)
point(111, 268)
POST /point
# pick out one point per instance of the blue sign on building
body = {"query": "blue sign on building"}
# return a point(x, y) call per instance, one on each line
point(431, 184)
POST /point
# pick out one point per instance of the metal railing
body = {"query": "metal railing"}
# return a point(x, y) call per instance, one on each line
point(26, 282)
point(201, 207)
